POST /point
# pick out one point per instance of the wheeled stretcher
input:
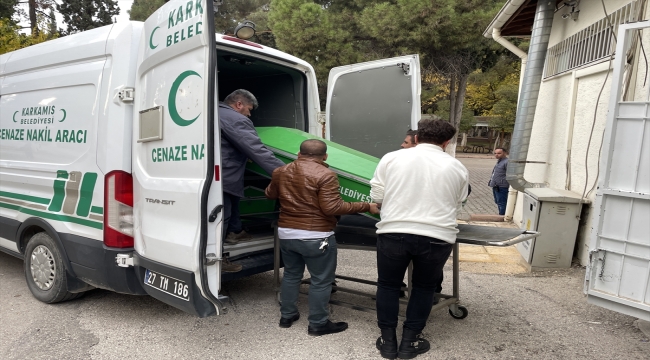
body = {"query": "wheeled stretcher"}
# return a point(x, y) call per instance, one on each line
point(358, 233)
point(354, 170)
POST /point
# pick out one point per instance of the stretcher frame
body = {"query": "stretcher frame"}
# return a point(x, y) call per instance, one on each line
point(468, 234)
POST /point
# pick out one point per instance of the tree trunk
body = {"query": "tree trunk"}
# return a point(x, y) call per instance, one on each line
point(32, 17)
point(457, 93)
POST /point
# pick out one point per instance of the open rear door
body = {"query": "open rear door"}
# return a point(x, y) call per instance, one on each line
point(176, 159)
point(371, 105)
point(618, 274)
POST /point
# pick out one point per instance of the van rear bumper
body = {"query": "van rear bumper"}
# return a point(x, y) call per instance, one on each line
point(197, 304)
point(94, 264)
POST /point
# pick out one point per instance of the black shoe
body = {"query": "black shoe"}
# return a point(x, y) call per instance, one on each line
point(286, 323)
point(328, 328)
point(412, 344)
point(387, 344)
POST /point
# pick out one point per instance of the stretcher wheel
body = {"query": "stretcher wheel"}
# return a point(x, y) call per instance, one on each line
point(459, 314)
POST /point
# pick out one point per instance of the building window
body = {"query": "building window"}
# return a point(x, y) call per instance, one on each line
point(592, 44)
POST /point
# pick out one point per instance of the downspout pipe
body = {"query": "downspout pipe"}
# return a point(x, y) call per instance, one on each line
point(496, 35)
point(529, 93)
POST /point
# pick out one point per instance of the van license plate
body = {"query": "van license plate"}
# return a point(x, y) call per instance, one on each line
point(166, 284)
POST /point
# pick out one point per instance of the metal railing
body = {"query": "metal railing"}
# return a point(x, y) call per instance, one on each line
point(592, 44)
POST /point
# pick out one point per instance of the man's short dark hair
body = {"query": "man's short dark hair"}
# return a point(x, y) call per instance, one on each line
point(435, 131)
point(313, 147)
point(411, 133)
point(242, 95)
point(502, 149)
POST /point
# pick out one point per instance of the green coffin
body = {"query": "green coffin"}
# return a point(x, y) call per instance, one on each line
point(354, 168)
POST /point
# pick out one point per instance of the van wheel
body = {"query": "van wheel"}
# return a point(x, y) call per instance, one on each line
point(45, 271)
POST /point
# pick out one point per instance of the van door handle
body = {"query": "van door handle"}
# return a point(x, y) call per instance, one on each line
point(214, 213)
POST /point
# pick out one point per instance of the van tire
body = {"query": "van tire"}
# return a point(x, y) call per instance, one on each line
point(45, 270)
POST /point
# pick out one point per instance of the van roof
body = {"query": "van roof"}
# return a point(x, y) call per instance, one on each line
point(91, 44)
point(80, 47)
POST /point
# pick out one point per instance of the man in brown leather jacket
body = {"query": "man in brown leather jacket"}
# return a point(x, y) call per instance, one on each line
point(309, 202)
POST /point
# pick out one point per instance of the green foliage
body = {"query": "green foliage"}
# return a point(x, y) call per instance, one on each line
point(446, 33)
point(82, 15)
point(494, 93)
point(228, 16)
point(314, 33)
point(466, 120)
point(142, 9)
point(232, 13)
point(11, 39)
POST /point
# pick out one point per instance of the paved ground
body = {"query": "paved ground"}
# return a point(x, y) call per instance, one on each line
point(522, 316)
point(481, 201)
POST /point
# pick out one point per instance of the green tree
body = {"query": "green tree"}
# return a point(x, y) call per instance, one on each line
point(82, 15)
point(495, 93)
point(8, 9)
point(446, 34)
point(313, 32)
point(228, 16)
point(11, 39)
point(142, 9)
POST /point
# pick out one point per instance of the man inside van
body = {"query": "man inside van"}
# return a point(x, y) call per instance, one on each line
point(420, 191)
point(239, 142)
point(309, 203)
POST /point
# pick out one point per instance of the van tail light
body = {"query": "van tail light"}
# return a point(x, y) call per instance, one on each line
point(118, 209)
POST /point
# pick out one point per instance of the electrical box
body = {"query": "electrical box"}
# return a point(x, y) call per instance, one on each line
point(555, 214)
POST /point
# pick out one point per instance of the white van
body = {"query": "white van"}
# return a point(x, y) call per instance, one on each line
point(110, 154)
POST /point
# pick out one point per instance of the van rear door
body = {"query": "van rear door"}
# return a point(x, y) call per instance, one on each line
point(176, 159)
point(371, 105)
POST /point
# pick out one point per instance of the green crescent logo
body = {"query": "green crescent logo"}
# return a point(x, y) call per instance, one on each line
point(64, 115)
point(173, 112)
point(151, 45)
point(15, 116)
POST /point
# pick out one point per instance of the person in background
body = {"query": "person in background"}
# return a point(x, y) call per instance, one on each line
point(309, 198)
point(420, 191)
point(498, 181)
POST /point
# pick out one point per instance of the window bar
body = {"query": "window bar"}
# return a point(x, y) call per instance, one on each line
point(579, 49)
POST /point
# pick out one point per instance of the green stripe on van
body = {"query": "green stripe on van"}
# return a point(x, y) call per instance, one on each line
point(59, 191)
point(86, 193)
point(33, 199)
point(97, 210)
point(47, 215)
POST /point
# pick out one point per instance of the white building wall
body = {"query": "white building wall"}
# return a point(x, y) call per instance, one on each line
point(566, 106)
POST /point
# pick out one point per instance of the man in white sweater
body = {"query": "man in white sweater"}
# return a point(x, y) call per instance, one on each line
point(420, 190)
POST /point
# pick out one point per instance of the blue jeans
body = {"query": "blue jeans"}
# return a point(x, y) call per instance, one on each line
point(321, 265)
point(501, 198)
point(394, 253)
point(231, 217)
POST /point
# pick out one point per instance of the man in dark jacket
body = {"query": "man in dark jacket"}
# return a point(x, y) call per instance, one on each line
point(239, 142)
point(309, 203)
point(498, 181)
